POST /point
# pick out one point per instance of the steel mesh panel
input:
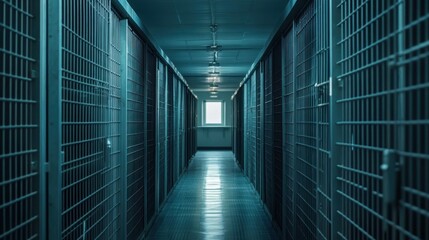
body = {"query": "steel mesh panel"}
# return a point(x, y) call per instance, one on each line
point(150, 137)
point(170, 130)
point(252, 128)
point(322, 66)
point(288, 136)
point(384, 82)
point(175, 159)
point(188, 125)
point(86, 192)
point(305, 126)
point(268, 134)
point(413, 54)
point(238, 128)
point(246, 123)
point(277, 133)
point(162, 131)
point(258, 129)
point(364, 73)
point(135, 136)
point(115, 119)
point(19, 121)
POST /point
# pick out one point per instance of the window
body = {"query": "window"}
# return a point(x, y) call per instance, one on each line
point(213, 112)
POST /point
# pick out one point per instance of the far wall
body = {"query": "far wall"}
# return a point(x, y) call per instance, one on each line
point(214, 137)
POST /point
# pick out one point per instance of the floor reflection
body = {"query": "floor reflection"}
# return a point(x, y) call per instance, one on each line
point(212, 215)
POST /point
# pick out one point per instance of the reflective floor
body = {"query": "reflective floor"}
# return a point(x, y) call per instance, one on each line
point(213, 200)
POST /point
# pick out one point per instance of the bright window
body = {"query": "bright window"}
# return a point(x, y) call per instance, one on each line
point(213, 112)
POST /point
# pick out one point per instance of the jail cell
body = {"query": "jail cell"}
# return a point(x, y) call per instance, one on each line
point(247, 130)
point(162, 130)
point(135, 135)
point(20, 126)
point(277, 132)
point(268, 134)
point(182, 138)
point(170, 129)
point(258, 128)
point(413, 152)
point(238, 128)
point(86, 191)
point(175, 158)
point(151, 87)
point(115, 121)
point(322, 101)
point(383, 82)
point(252, 127)
point(289, 136)
point(305, 126)
point(188, 114)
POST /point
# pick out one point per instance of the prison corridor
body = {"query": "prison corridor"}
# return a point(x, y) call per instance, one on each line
point(213, 200)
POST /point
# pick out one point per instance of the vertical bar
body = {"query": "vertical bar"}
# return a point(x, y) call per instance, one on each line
point(284, 166)
point(55, 155)
point(124, 130)
point(146, 160)
point(42, 14)
point(401, 112)
point(335, 113)
point(165, 79)
point(294, 198)
point(157, 138)
point(262, 124)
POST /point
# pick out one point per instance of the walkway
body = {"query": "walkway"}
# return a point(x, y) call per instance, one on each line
point(213, 200)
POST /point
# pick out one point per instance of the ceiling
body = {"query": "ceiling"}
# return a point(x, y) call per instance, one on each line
point(182, 28)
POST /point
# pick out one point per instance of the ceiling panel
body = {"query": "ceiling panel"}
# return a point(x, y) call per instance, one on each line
point(182, 30)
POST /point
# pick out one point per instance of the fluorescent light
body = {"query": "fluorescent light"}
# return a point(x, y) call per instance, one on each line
point(213, 96)
point(214, 64)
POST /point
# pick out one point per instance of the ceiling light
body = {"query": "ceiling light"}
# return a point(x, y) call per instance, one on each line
point(213, 92)
point(214, 73)
point(214, 64)
point(214, 48)
point(213, 96)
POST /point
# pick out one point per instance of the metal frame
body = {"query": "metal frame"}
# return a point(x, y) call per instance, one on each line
point(55, 155)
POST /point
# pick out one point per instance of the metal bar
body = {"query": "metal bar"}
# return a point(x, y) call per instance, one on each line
point(123, 125)
point(55, 155)
point(335, 113)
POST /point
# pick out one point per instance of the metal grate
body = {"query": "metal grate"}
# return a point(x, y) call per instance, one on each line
point(277, 133)
point(238, 129)
point(252, 128)
point(384, 77)
point(322, 66)
point(135, 136)
point(19, 123)
point(412, 63)
point(116, 135)
point(288, 136)
point(258, 130)
point(268, 134)
point(162, 125)
point(86, 190)
point(305, 126)
point(150, 132)
point(170, 130)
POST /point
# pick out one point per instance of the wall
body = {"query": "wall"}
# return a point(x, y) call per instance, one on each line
point(214, 137)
